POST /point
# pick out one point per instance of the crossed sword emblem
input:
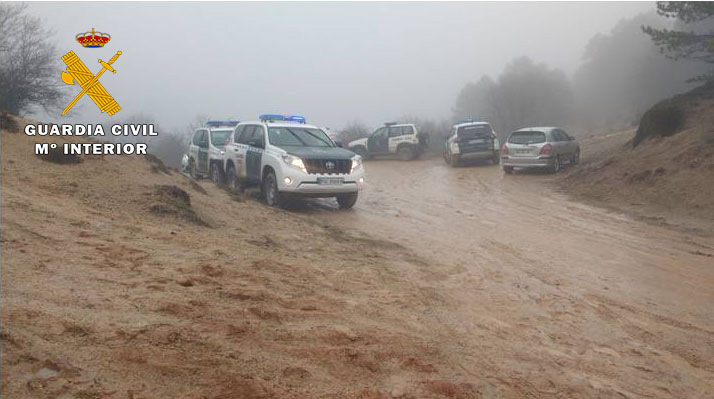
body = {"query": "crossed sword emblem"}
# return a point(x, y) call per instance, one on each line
point(76, 70)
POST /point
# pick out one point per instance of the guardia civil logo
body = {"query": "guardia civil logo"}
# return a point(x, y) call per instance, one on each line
point(77, 71)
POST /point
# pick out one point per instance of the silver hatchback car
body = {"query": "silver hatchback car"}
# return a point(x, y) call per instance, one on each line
point(539, 147)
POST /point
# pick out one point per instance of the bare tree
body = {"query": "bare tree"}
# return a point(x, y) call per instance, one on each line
point(28, 62)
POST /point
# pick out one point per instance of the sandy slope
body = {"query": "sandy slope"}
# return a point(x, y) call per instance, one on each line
point(442, 283)
point(666, 180)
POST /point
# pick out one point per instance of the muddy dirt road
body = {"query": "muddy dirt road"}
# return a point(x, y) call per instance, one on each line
point(442, 283)
point(568, 294)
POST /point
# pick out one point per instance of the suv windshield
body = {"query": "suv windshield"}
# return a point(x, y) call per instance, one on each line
point(528, 137)
point(218, 138)
point(298, 137)
point(474, 131)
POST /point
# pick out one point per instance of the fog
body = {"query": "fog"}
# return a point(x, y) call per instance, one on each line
point(333, 62)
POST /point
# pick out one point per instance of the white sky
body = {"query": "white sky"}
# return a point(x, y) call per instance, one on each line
point(332, 62)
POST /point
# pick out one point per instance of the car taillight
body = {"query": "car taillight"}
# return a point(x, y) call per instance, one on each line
point(504, 149)
point(546, 149)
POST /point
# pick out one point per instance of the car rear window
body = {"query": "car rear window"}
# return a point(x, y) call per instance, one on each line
point(527, 137)
point(474, 131)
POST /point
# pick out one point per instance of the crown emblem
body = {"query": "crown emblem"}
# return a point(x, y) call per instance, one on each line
point(92, 39)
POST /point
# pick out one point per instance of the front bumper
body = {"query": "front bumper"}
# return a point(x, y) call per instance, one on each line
point(305, 184)
point(527, 162)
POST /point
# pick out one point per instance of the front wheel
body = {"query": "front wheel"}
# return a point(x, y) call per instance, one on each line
point(270, 190)
point(496, 159)
point(216, 173)
point(192, 170)
point(508, 169)
point(232, 179)
point(347, 201)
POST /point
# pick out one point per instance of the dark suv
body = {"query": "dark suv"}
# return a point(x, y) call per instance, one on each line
point(472, 140)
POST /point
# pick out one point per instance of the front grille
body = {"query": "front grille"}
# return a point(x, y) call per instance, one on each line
point(320, 166)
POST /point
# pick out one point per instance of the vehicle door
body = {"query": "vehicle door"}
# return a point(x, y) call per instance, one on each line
point(193, 147)
point(254, 154)
point(396, 136)
point(235, 151)
point(378, 142)
point(202, 145)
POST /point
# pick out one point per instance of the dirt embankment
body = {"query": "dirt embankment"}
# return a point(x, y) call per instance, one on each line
point(122, 279)
point(664, 173)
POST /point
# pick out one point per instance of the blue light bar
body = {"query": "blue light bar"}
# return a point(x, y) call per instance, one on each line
point(271, 117)
point(296, 118)
point(221, 123)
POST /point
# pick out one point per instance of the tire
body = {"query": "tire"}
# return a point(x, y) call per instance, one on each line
point(347, 201)
point(455, 160)
point(447, 158)
point(496, 158)
point(216, 174)
point(556, 165)
point(270, 189)
point(232, 179)
point(192, 171)
point(405, 153)
point(576, 158)
point(508, 169)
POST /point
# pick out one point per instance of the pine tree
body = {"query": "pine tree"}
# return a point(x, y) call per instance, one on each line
point(697, 43)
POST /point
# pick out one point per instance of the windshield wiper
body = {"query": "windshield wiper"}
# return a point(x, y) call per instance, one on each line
point(304, 144)
point(317, 137)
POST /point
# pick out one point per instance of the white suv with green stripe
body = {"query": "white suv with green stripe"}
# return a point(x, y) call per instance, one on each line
point(288, 158)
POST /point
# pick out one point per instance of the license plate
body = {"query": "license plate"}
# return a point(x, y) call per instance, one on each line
point(523, 151)
point(330, 181)
point(477, 141)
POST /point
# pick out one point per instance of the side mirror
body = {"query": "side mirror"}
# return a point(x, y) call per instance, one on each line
point(339, 144)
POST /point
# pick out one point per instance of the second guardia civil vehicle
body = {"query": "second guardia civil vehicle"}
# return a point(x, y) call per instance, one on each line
point(205, 153)
point(288, 158)
point(401, 139)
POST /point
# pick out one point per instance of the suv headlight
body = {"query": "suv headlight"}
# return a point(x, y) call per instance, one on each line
point(356, 163)
point(295, 162)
